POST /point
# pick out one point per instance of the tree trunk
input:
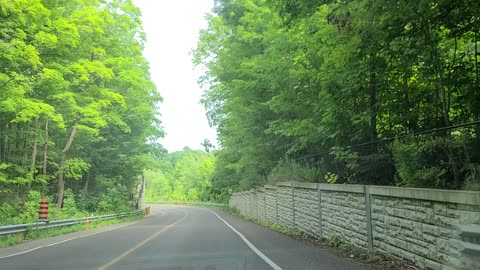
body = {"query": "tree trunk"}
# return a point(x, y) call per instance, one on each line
point(2, 132)
point(477, 77)
point(439, 79)
point(85, 186)
point(18, 147)
point(45, 149)
point(372, 85)
point(6, 141)
point(34, 155)
point(61, 171)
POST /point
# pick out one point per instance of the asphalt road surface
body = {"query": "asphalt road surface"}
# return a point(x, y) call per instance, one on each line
point(175, 238)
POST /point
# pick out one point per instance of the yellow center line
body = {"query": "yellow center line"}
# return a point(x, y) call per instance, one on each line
point(125, 254)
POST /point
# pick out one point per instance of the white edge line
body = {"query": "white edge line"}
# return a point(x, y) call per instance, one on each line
point(250, 245)
point(63, 241)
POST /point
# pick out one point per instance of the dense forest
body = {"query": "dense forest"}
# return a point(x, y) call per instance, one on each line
point(183, 176)
point(338, 91)
point(78, 111)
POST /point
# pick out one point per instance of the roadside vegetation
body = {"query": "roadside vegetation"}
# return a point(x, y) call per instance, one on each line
point(111, 202)
point(366, 92)
point(32, 234)
point(184, 176)
point(78, 110)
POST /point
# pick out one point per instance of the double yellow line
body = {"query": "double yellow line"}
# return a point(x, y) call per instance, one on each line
point(126, 253)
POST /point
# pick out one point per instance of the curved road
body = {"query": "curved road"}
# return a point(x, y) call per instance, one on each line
point(174, 238)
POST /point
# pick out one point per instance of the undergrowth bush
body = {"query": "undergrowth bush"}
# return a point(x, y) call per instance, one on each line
point(290, 170)
point(116, 200)
point(337, 241)
point(436, 162)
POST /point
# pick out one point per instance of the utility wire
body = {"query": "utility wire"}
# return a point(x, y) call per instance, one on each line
point(399, 137)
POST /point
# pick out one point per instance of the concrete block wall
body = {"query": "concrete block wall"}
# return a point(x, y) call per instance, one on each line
point(254, 204)
point(243, 203)
point(271, 204)
point(262, 211)
point(344, 214)
point(419, 225)
point(250, 208)
point(285, 205)
point(306, 205)
point(236, 201)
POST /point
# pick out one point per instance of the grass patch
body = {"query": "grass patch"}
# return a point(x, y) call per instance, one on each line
point(32, 233)
point(285, 230)
point(337, 241)
point(372, 257)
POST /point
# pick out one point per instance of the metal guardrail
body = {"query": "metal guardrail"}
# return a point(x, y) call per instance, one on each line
point(18, 228)
point(188, 203)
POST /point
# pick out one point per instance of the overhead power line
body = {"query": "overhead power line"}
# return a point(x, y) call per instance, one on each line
point(399, 137)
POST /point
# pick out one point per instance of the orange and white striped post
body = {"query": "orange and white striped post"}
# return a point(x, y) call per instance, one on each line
point(43, 210)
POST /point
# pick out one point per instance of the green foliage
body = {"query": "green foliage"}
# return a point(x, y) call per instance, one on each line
point(472, 176)
point(372, 257)
point(182, 176)
point(115, 200)
point(70, 208)
point(30, 209)
point(32, 234)
point(75, 168)
point(346, 162)
point(289, 170)
point(7, 213)
point(337, 241)
point(285, 230)
point(331, 178)
point(75, 90)
point(434, 162)
point(288, 79)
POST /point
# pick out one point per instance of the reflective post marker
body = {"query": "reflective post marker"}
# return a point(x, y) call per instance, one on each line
point(43, 210)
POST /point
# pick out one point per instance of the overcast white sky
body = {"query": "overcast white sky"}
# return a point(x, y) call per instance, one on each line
point(172, 28)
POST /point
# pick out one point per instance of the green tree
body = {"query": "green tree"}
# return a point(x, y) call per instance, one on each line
point(184, 175)
point(322, 79)
point(73, 80)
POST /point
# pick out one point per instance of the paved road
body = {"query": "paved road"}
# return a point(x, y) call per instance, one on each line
point(175, 238)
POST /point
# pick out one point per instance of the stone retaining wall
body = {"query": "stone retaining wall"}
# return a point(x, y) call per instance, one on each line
point(307, 211)
point(285, 205)
point(271, 204)
point(261, 207)
point(344, 214)
point(418, 225)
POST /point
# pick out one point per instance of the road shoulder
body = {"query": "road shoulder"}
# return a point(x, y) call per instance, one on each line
point(288, 252)
point(28, 246)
